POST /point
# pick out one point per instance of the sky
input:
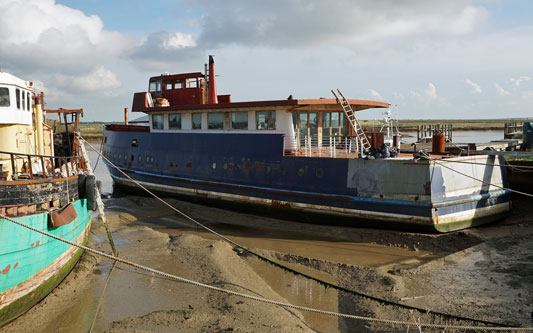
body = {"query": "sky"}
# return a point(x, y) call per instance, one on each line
point(428, 59)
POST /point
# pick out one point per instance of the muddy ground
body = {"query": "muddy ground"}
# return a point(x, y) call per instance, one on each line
point(483, 273)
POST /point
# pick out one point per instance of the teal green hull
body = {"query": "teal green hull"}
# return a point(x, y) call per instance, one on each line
point(29, 260)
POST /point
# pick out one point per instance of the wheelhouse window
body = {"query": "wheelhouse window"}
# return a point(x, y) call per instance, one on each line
point(215, 121)
point(191, 83)
point(28, 101)
point(196, 121)
point(4, 97)
point(174, 121)
point(178, 84)
point(155, 86)
point(17, 93)
point(266, 120)
point(157, 121)
point(239, 120)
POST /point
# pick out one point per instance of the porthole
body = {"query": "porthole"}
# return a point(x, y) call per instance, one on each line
point(115, 156)
point(214, 165)
point(225, 166)
point(268, 170)
point(301, 172)
point(125, 157)
point(319, 173)
point(119, 156)
point(139, 158)
point(151, 160)
point(147, 159)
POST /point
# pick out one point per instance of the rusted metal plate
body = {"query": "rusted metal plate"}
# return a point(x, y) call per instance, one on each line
point(63, 216)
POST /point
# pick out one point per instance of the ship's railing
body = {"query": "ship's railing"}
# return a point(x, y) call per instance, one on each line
point(31, 166)
point(324, 146)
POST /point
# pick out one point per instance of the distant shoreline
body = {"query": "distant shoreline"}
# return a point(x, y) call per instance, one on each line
point(93, 131)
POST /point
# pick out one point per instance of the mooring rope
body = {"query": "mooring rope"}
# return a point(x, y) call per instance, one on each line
point(507, 165)
point(325, 283)
point(262, 299)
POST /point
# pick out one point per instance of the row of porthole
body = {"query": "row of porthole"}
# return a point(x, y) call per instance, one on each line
point(149, 159)
point(319, 173)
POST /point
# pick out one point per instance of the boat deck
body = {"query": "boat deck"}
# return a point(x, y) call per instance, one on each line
point(345, 153)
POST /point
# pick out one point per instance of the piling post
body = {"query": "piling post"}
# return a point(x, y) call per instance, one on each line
point(125, 116)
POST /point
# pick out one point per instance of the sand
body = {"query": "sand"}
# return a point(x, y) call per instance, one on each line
point(483, 273)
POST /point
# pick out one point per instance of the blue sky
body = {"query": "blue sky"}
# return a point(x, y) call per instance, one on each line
point(429, 59)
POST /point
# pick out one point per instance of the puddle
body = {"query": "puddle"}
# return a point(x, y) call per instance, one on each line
point(298, 290)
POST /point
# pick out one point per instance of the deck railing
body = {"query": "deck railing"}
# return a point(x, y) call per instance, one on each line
point(324, 146)
point(31, 166)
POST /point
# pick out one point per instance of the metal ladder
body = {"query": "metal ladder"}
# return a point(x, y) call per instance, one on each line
point(350, 114)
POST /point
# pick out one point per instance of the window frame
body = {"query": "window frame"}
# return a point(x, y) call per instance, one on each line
point(192, 120)
point(170, 116)
point(267, 128)
point(162, 121)
point(6, 96)
point(233, 121)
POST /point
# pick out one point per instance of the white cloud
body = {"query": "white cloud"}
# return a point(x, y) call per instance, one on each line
point(375, 94)
point(519, 80)
point(431, 92)
point(101, 79)
point(178, 40)
point(41, 34)
point(166, 51)
point(501, 91)
point(354, 22)
point(527, 94)
point(475, 87)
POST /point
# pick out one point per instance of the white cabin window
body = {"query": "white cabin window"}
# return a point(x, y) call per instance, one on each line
point(4, 97)
point(17, 94)
point(239, 120)
point(266, 120)
point(174, 121)
point(28, 101)
point(24, 100)
point(157, 121)
point(196, 121)
point(215, 121)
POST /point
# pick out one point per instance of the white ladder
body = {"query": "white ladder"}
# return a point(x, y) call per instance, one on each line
point(350, 114)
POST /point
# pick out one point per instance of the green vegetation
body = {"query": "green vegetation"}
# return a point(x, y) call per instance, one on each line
point(92, 132)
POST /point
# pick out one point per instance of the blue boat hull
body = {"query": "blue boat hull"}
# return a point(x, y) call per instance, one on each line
point(252, 169)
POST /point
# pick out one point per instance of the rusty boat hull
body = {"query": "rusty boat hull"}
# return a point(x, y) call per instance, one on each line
point(33, 264)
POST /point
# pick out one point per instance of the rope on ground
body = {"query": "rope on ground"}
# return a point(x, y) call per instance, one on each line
point(262, 299)
point(325, 283)
point(102, 296)
point(427, 157)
